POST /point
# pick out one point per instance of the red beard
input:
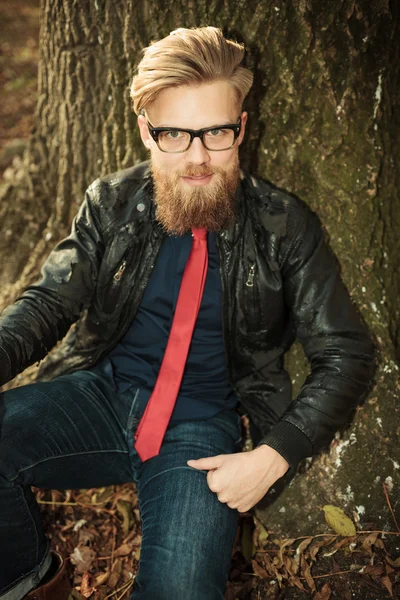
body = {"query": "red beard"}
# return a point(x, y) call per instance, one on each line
point(181, 209)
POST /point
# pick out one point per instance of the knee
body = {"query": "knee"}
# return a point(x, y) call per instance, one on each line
point(7, 473)
point(13, 441)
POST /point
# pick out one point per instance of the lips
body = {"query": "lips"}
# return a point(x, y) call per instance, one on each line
point(197, 180)
point(197, 176)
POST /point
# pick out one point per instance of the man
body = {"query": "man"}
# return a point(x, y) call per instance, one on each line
point(188, 281)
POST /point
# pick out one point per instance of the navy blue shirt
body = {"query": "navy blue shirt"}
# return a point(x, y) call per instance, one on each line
point(136, 359)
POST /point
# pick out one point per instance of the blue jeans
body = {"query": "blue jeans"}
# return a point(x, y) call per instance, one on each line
point(77, 432)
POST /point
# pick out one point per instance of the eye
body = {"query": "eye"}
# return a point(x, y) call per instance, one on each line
point(215, 132)
point(174, 135)
point(218, 133)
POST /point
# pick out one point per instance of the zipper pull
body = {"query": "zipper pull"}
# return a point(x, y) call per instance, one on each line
point(250, 278)
point(120, 271)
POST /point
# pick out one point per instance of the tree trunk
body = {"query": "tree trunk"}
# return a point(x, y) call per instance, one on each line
point(323, 124)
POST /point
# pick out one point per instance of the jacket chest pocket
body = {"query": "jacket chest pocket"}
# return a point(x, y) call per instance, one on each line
point(262, 298)
point(251, 297)
point(109, 292)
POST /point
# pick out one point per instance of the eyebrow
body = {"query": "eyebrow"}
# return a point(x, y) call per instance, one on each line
point(208, 126)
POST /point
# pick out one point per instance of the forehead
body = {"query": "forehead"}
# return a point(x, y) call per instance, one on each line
point(195, 106)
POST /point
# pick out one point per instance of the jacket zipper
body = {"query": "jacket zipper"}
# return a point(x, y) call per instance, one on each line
point(251, 294)
point(119, 273)
point(225, 328)
point(250, 278)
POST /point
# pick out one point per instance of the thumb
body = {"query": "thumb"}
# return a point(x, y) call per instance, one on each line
point(211, 462)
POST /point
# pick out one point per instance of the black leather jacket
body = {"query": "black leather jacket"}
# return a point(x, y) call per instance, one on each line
point(279, 280)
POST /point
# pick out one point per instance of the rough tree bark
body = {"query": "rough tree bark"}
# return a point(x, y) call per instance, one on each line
point(323, 124)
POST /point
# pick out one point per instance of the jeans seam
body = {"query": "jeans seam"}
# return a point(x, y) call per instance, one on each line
point(60, 407)
point(33, 523)
point(133, 404)
point(65, 456)
point(168, 471)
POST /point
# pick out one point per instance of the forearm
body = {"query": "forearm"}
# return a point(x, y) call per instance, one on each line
point(336, 342)
point(30, 328)
point(42, 315)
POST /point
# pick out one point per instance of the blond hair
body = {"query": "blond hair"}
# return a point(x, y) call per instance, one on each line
point(189, 57)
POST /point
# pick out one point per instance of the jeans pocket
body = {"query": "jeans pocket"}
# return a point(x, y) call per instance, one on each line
point(133, 417)
point(231, 422)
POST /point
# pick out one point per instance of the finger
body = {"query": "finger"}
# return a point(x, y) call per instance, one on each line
point(244, 509)
point(210, 482)
point(210, 462)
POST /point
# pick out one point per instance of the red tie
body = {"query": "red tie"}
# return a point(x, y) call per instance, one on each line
point(154, 422)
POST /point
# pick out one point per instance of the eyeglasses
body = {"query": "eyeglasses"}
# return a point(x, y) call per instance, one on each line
point(172, 139)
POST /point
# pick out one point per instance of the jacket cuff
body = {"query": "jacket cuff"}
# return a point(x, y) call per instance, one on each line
point(5, 367)
point(289, 441)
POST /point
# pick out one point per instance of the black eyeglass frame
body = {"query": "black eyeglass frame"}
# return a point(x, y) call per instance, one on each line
point(155, 132)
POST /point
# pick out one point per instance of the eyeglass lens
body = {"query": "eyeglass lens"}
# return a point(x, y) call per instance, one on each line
point(178, 141)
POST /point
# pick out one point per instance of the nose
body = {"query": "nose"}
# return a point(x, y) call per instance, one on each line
point(197, 153)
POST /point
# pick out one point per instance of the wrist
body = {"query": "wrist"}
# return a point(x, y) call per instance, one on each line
point(266, 453)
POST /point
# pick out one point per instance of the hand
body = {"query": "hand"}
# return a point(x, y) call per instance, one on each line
point(241, 480)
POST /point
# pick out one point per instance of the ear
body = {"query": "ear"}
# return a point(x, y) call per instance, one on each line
point(144, 131)
point(243, 117)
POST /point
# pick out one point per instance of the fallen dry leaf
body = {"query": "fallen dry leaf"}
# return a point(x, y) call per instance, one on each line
point(324, 593)
point(338, 520)
point(303, 545)
point(388, 585)
point(373, 570)
point(393, 563)
point(124, 508)
point(369, 542)
point(115, 574)
point(82, 557)
point(123, 550)
point(259, 570)
point(291, 565)
point(101, 578)
point(295, 581)
point(316, 546)
point(309, 578)
point(86, 586)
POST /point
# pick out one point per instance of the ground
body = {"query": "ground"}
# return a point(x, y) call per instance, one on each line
point(98, 530)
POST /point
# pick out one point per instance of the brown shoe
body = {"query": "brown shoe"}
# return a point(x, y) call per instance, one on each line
point(55, 585)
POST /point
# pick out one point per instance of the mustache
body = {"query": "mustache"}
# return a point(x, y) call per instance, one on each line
point(197, 171)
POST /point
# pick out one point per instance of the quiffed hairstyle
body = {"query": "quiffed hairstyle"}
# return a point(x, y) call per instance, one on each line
point(189, 57)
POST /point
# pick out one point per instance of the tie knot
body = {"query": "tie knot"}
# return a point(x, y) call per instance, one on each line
point(199, 234)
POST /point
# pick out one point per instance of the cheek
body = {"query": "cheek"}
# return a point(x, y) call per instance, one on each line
point(165, 162)
point(225, 160)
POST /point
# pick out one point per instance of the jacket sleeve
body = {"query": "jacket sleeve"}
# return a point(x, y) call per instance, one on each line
point(42, 315)
point(335, 340)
